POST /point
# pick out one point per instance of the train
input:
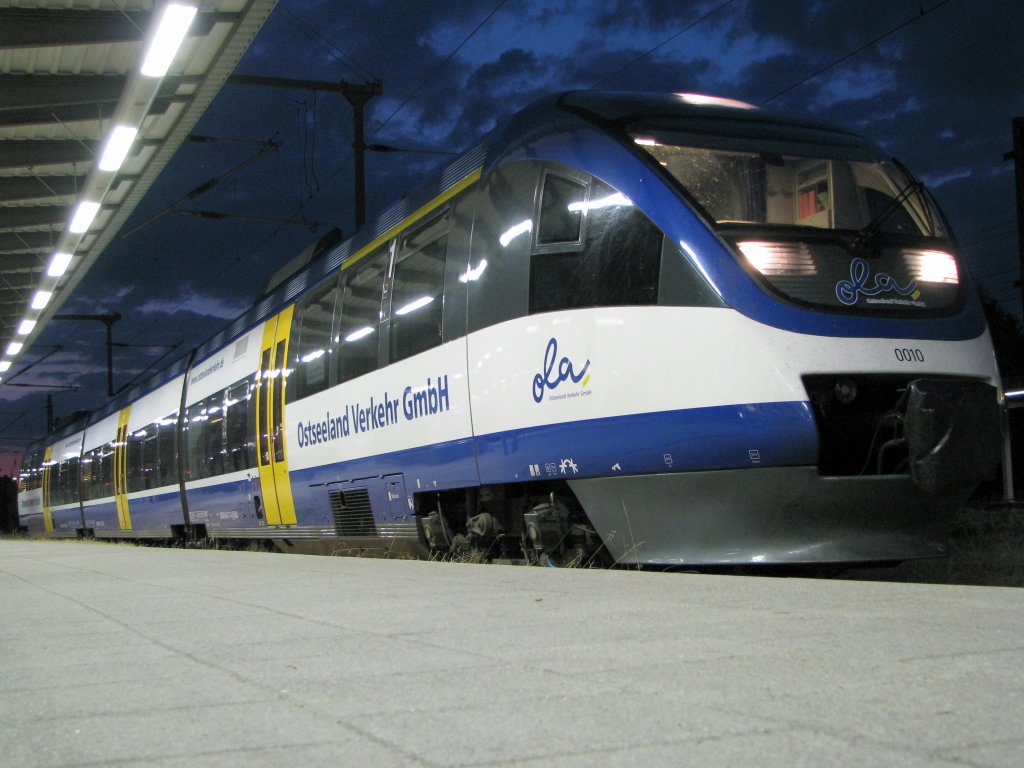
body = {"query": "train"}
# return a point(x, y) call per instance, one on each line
point(635, 329)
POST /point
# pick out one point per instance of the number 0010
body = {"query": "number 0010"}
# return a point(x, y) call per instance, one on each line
point(905, 355)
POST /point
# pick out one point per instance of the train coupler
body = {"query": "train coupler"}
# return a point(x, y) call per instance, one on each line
point(952, 430)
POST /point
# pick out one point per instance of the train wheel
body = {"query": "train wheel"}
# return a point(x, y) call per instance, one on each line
point(554, 536)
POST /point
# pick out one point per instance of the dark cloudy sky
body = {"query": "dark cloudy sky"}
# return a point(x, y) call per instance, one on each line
point(936, 82)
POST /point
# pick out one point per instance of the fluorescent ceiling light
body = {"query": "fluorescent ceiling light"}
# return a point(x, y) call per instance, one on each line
point(316, 354)
point(5, 365)
point(359, 333)
point(26, 327)
point(59, 264)
point(14, 348)
point(515, 231)
point(41, 299)
point(117, 147)
point(474, 273)
point(618, 199)
point(173, 27)
point(83, 217)
point(415, 304)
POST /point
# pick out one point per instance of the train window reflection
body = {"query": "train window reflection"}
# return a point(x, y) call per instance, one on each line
point(360, 314)
point(417, 289)
point(618, 262)
point(561, 215)
point(311, 342)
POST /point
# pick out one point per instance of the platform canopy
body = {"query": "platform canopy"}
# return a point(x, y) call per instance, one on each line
point(72, 75)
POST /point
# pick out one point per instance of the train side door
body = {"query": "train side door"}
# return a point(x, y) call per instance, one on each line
point(47, 471)
point(271, 455)
point(124, 518)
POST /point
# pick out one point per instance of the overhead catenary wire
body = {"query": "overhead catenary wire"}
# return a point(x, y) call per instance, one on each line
point(664, 42)
point(438, 68)
point(332, 50)
point(922, 13)
point(988, 233)
point(331, 176)
point(271, 145)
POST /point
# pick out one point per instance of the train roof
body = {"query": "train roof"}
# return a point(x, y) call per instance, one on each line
point(709, 115)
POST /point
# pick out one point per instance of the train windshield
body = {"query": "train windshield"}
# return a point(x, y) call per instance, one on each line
point(823, 225)
point(755, 185)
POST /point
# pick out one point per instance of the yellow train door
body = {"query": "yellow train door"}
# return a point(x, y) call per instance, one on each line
point(272, 454)
point(124, 518)
point(46, 491)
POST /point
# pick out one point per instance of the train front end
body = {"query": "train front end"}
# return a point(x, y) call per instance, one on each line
point(852, 343)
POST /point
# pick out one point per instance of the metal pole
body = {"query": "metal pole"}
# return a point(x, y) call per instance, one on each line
point(1018, 161)
point(108, 320)
point(356, 94)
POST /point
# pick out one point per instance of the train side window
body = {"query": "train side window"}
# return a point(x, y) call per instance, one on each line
point(417, 290)
point(617, 263)
point(37, 475)
point(104, 471)
point(139, 464)
point(167, 450)
point(56, 486)
point(240, 452)
point(65, 482)
point(205, 437)
point(213, 434)
point(194, 419)
point(69, 475)
point(497, 277)
point(359, 330)
point(151, 456)
point(88, 466)
point(561, 210)
point(30, 475)
point(95, 484)
point(311, 342)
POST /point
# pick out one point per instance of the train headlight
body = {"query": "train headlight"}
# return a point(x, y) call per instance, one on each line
point(931, 266)
point(773, 259)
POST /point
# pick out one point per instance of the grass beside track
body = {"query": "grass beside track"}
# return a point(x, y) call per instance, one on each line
point(986, 548)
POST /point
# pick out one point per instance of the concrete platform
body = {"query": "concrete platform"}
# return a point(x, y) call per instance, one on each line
point(119, 655)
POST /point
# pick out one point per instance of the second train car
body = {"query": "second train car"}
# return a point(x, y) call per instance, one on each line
point(644, 329)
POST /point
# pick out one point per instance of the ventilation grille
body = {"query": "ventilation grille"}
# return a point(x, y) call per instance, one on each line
point(352, 513)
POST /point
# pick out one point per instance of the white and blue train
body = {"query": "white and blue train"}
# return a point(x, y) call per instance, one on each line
point(638, 329)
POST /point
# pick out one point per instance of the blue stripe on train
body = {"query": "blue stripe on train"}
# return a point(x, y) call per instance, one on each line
point(225, 505)
point(157, 512)
point(720, 437)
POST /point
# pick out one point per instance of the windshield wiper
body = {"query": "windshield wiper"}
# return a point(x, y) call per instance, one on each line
point(866, 236)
